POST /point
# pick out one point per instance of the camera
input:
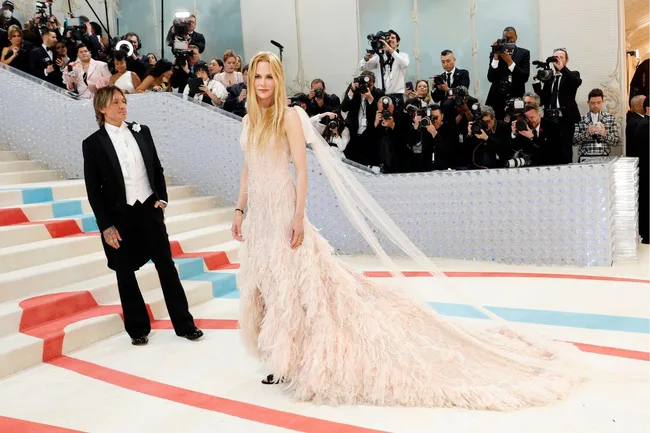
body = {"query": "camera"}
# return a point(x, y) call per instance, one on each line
point(522, 124)
point(331, 123)
point(375, 40)
point(180, 45)
point(552, 113)
point(297, 99)
point(438, 80)
point(362, 81)
point(478, 124)
point(460, 95)
point(503, 45)
point(386, 101)
point(318, 92)
point(427, 119)
point(519, 159)
point(544, 72)
point(515, 107)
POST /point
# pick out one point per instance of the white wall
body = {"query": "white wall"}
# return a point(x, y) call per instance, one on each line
point(328, 35)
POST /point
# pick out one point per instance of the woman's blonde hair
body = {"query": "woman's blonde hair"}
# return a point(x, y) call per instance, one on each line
point(228, 54)
point(14, 29)
point(427, 98)
point(262, 127)
point(104, 98)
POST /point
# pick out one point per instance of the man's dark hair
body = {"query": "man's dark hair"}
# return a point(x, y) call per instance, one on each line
point(45, 31)
point(245, 68)
point(84, 19)
point(318, 80)
point(595, 93)
point(510, 29)
point(369, 74)
point(80, 46)
point(391, 31)
point(446, 53)
point(435, 107)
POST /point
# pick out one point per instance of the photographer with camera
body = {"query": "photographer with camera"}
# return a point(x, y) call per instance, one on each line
point(451, 78)
point(487, 144)
point(392, 64)
point(203, 89)
point(457, 109)
point(508, 72)
point(236, 101)
point(537, 138)
point(183, 30)
point(7, 19)
point(432, 143)
point(331, 126)
point(558, 96)
point(319, 100)
point(184, 68)
point(360, 104)
point(391, 138)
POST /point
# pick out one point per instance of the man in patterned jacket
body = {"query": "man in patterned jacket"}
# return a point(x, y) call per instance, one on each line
point(597, 131)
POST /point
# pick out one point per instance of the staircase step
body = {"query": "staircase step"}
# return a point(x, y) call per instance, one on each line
point(16, 166)
point(30, 176)
point(18, 352)
point(46, 251)
point(39, 192)
point(22, 234)
point(8, 155)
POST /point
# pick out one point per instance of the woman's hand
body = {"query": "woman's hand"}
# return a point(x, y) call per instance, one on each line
point(297, 232)
point(236, 227)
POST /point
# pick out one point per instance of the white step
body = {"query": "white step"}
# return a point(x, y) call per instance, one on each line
point(18, 352)
point(8, 155)
point(189, 205)
point(22, 234)
point(30, 176)
point(15, 166)
point(197, 220)
point(47, 251)
point(198, 240)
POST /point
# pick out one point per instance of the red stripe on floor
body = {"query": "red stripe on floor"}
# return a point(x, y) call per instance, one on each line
point(200, 323)
point(209, 402)
point(613, 351)
point(213, 260)
point(42, 309)
point(411, 274)
point(62, 228)
point(13, 425)
point(11, 216)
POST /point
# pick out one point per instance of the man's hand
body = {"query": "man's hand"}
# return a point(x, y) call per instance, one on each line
point(482, 136)
point(527, 133)
point(112, 236)
point(161, 205)
point(50, 69)
point(387, 47)
point(559, 65)
point(432, 130)
point(242, 95)
point(506, 58)
point(389, 123)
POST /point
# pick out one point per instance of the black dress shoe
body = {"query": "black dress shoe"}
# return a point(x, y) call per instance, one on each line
point(194, 334)
point(140, 341)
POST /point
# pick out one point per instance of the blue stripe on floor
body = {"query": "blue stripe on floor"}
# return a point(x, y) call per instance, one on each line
point(64, 209)
point(540, 317)
point(188, 268)
point(37, 195)
point(223, 283)
point(89, 223)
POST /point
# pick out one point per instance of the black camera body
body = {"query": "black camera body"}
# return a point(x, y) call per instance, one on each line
point(522, 124)
point(386, 101)
point(519, 159)
point(502, 46)
point(552, 113)
point(427, 118)
point(331, 123)
point(515, 107)
point(544, 71)
point(362, 81)
point(438, 80)
point(478, 124)
point(460, 95)
point(297, 99)
point(375, 40)
point(319, 92)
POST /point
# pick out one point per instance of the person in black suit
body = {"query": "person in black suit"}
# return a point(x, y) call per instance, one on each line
point(453, 77)
point(541, 141)
point(633, 118)
point(42, 60)
point(508, 72)
point(192, 37)
point(642, 145)
point(560, 93)
point(127, 192)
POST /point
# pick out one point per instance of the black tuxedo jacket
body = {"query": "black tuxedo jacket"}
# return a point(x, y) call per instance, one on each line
point(569, 84)
point(39, 61)
point(104, 180)
point(460, 78)
point(544, 149)
point(520, 75)
point(352, 107)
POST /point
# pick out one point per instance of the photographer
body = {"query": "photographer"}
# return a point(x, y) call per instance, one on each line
point(360, 102)
point(508, 72)
point(558, 97)
point(457, 109)
point(392, 128)
point(184, 68)
point(184, 29)
point(432, 142)
point(386, 56)
point(537, 137)
point(451, 78)
point(203, 89)
point(319, 100)
point(487, 144)
point(7, 19)
point(136, 62)
point(332, 127)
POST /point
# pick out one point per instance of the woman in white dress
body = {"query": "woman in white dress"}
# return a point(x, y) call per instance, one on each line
point(328, 333)
point(126, 80)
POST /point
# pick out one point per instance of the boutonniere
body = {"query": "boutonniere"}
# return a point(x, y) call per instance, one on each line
point(135, 127)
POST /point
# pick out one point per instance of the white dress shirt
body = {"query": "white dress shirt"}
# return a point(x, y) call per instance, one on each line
point(136, 181)
point(394, 77)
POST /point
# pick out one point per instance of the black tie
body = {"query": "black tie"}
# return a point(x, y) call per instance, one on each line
point(448, 78)
point(554, 92)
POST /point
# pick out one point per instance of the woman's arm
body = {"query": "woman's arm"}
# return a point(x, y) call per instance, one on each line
point(298, 147)
point(135, 79)
point(145, 85)
point(10, 59)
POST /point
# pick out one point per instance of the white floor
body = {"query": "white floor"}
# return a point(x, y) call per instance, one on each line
point(173, 385)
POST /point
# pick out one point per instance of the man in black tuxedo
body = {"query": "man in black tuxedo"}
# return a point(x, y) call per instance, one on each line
point(127, 192)
point(453, 77)
point(540, 141)
point(641, 143)
point(560, 93)
point(508, 72)
point(42, 60)
point(633, 118)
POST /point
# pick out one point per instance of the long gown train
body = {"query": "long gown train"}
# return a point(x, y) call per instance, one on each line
point(340, 338)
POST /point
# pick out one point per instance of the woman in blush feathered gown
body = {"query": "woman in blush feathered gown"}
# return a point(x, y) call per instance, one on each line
point(329, 334)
